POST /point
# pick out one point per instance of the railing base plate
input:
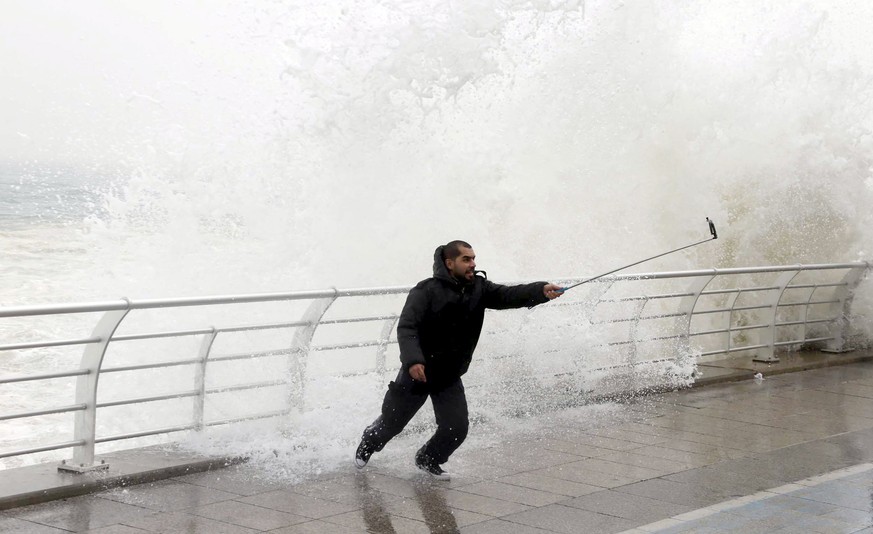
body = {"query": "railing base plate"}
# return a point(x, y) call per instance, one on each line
point(81, 468)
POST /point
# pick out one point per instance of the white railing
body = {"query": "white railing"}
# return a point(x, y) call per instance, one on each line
point(707, 313)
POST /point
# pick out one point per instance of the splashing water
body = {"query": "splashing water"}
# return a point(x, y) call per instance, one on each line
point(313, 145)
point(560, 138)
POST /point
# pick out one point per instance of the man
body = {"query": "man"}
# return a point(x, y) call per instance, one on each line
point(438, 330)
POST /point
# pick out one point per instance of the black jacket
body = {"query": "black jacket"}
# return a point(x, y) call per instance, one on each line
point(442, 319)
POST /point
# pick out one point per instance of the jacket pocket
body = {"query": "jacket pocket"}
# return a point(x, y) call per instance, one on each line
point(394, 387)
point(398, 389)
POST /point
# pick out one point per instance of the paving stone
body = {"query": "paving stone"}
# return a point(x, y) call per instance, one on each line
point(114, 529)
point(723, 479)
point(372, 521)
point(542, 482)
point(603, 442)
point(386, 484)
point(409, 515)
point(247, 515)
point(629, 436)
point(81, 513)
point(239, 480)
point(317, 526)
point(11, 524)
point(465, 470)
point(577, 473)
point(566, 519)
point(645, 428)
point(624, 469)
point(574, 448)
point(695, 495)
point(513, 493)
point(293, 503)
point(459, 500)
point(633, 507)
point(174, 522)
point(167, 495)
point(521, 456)
point(499, 526)
point(711, 455)
point(352, 490)
point(459, 478)
point(689, 459)
point(714, 450)
point(442, 514)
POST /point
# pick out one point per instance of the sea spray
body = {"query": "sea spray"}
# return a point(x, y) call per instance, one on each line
point(317, 145)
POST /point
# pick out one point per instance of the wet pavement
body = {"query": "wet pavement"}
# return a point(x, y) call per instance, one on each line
point(790, 453)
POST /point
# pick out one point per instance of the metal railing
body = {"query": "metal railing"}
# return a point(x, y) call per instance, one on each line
point(709, 313)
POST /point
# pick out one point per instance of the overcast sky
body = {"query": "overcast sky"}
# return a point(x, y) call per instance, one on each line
point(79, 79)
point(79, 75)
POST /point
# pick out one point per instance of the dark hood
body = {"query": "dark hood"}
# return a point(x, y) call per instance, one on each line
point(440, 271)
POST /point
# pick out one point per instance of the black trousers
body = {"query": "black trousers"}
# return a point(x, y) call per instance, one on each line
point(404, 398)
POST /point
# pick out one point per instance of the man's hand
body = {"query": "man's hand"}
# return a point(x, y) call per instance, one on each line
point(417, 372)
point(551, 291)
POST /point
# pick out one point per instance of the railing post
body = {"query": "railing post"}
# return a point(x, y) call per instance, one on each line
point(686, 307)
point(85, 428)
point(382, 350)
point(804, 313)
point(633, 330)
point(300, 347)
point(842, 309)
point(591, 300)
point(767, 336)
point(200, 379)
point(729, 322)
point(631, 359)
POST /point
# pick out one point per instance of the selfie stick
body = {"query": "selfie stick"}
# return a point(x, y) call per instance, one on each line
point(711, 231)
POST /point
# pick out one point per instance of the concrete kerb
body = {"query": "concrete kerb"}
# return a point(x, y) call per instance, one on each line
point(43, 482)
point(743, 368)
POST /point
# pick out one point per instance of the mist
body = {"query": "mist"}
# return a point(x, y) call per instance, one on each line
point(301, 145)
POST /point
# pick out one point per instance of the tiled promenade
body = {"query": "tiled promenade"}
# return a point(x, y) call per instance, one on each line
point(791, 453)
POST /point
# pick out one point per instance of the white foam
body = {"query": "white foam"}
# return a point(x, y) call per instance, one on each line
point(337, 144)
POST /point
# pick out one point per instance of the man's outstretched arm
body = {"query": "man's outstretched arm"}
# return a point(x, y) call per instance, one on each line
point(502, 297)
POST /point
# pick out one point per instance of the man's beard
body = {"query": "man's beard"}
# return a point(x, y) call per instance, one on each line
point(463, 279)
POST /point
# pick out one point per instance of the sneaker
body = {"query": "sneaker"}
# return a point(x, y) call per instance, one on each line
point(426, 464)
point(362, 455)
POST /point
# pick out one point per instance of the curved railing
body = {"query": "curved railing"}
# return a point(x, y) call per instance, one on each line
point(710, 313)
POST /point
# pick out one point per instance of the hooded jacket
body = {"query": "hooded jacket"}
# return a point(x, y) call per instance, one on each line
point(442, 319)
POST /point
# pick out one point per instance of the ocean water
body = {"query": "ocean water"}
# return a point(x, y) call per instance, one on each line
point(302, 145)
point(34, 197)
point(313, 145)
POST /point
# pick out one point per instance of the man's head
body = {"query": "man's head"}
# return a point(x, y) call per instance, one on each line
point(460, 260)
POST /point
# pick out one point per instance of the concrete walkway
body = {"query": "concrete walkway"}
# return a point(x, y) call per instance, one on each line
point(790, 453)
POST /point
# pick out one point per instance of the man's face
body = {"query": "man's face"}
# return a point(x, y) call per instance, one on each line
point(463, 267)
